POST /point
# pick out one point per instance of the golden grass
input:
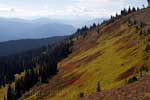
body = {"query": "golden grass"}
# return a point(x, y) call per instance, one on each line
point(119, 54)
point(2, 93)
point(106, 68)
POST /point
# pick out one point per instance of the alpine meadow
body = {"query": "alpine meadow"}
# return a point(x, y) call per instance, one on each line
point(45, 54)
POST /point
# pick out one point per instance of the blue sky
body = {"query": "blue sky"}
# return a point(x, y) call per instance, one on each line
point(65, 9)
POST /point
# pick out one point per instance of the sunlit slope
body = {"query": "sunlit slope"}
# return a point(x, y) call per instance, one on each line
point(114, 54)
point(109, 54)
point(126, 92)
point(2, 93)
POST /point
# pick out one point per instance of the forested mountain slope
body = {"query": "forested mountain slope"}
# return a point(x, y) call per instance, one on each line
point(104, 57)
point(23, 45)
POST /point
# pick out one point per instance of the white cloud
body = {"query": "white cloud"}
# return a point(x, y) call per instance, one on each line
point(99, 8)
point(94, 8)
point(77, 9)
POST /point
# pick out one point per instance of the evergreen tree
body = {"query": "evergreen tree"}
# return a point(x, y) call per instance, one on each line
point(94, 24)
point(9, 93)
point(129, 10)
point(124, 12)
point(133, 9)
point(98, 87)
point(18, 88)
point(138, 8)
point(117, 15)
point(81, 95)
point(4, 98)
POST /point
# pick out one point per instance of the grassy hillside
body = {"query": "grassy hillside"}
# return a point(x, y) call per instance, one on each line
point(2, 93)
point(137, 91)
point(109, 54)
point(113, 55)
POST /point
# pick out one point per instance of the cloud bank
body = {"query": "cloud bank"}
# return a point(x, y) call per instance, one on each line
point(73, 9)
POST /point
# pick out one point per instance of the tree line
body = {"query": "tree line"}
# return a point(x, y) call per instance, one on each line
point(40, 64)
point(44, 67)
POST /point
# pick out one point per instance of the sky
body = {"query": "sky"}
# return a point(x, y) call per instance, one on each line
point(65, 9)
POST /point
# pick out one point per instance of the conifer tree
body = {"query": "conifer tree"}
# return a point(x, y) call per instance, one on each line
point(81, 95)
point(4, 98)
point(133, 9)
point(9, 93)
point(98, 87)
point(129, 10)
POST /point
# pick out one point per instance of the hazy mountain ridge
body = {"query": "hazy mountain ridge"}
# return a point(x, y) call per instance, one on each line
point(13, 29)
point(19, 46)
point(77, 23)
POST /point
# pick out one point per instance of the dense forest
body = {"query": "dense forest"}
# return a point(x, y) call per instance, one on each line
point(37, 66)
point(17, 46)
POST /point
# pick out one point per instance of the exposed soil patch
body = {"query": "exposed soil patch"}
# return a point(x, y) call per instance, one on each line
point(83, 44)
point(124, 39)
point(126, 74)
point(119, 33)
point(71, 79)
point(132, 43)
point(128, 44)
point(84, 60)
point(92, 57)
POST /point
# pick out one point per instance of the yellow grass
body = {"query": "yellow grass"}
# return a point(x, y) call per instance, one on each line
point(121, 49)
point(2, 93)
point(106, 68)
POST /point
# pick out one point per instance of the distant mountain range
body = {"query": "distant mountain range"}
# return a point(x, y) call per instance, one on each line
point(23, 45)
point(77, 23)
point(19, 35)
point(13, 28)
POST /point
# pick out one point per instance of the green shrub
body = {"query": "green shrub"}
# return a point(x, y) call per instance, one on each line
point(132, 79)
point(81, 95)
point(98, 87)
